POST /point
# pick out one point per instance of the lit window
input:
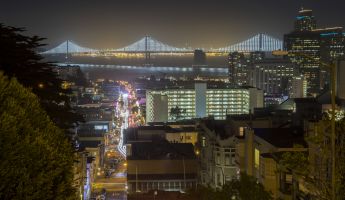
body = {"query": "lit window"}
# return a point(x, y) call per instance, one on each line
point(241, 131)
point(257, 158)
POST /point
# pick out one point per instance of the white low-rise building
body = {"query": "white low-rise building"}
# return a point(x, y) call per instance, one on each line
point(200, 102)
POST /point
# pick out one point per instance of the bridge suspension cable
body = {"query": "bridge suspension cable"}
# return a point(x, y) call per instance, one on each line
point(259, 42)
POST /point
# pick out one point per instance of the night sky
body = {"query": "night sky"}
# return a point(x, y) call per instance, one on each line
point(196, 23)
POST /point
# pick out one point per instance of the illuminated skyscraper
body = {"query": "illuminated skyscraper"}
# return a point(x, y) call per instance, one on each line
point(309, 46)
point(240, 66)
point(237, 67)
point(262, 70)
point(304, 50)
point(305, 21)
point(273, 75)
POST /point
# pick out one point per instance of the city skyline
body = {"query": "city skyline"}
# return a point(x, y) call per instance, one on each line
point(180, 100)
point(192, 23)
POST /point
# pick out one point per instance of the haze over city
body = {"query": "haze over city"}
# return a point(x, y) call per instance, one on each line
point(195, 23)
point(172, 100)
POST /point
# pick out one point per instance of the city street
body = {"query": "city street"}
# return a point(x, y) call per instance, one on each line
point(111, 180)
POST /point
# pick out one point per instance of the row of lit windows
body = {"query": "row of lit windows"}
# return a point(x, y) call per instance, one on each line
point(226, 100)
point(181, 92)
point(182, 95)
point(235, 101)
point(226, 92)
point(221, 114)
point(181, 100)
point(226, 107)
point(238, 96)
point(190, 100)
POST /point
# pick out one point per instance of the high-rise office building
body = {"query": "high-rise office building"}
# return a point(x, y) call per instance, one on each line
point(304, 49)
point(273, 75)
point(308, 47)
point(237, 67)
point(262, 70)
point(305, 21)
point(240, 66)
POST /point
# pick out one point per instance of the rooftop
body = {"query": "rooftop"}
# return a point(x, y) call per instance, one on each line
point(161, 150)
point(89, 144)
point(282, 137)
point(157, 131)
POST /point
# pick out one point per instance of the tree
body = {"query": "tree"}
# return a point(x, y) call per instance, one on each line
point(204, 193)
point(313, 167)
point(176, 113)
point(246, 188)
point(18, 58)
point(36, 159)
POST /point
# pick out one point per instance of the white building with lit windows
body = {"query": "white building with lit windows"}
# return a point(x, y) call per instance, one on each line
point(201, 102)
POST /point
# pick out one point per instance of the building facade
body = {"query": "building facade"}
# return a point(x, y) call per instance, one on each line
point(240, 66)
point(147, 166)
point(258, 154)
point(273, 75)
point(201, 102)
point(308, 47)
point(217, 158)
point(298, 88)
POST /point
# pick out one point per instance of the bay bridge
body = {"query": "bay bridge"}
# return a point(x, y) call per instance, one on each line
point(148, 45)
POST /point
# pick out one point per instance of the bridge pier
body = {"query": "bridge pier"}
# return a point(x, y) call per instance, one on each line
point(147, 58)
point(199, 57)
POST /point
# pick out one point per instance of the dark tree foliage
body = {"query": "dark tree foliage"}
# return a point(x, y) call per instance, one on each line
point(246, 188)
point(36, 158)
point(204, 193)
point(18, 58)
point(312, 167)
point(176, 112)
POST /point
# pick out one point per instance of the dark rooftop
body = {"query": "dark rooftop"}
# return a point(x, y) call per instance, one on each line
point(161, 150)
point(282, 137)
point(305, 100)
point(133, 177)
point(88, 144)
point(277, 156)
point(133, 134)
point(180, 122)
point(220, 127)
point(168, 128)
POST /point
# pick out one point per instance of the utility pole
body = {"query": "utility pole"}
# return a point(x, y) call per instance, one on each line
point(332, 67)
point(333, 135)
point(184, 173)
point(136, 178)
